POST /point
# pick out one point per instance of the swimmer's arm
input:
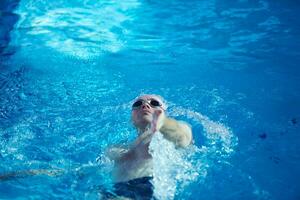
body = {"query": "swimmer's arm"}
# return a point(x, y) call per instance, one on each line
point(178, 132)
point(124, 155)
point(116, 153)
point(137, 150)
point(27, 173)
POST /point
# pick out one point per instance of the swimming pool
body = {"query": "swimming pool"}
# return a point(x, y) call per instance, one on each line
point(70, 69)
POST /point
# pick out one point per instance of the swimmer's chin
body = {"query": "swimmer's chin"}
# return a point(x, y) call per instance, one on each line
point(146, 112)
point(147, 117)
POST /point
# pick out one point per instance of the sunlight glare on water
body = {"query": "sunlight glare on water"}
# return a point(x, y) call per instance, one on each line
point(85, 30)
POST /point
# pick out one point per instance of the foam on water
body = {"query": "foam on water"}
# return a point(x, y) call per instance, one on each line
point(219, 138)
point(174, 169)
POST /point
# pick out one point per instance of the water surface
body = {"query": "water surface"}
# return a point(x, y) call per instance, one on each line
point(69, 71)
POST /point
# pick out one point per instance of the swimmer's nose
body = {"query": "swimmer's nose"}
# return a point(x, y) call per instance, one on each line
point(145, 106)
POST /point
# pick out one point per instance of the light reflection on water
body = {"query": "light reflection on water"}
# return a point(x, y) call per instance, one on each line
point(83, 31)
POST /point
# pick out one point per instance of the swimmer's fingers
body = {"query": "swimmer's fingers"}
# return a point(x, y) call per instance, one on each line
point(157, 122)
point(143, 139)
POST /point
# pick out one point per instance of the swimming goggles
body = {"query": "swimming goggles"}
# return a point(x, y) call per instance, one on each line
point(152, 102)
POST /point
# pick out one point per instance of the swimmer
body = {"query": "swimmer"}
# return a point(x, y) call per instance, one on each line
point(133, 166)
point(133, 170)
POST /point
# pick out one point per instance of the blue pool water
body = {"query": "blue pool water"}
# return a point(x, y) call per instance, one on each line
point(69, 71)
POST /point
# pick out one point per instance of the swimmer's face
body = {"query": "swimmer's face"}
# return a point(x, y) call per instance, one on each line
point(143, 109)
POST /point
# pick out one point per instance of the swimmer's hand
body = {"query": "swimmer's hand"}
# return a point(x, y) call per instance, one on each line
point(141, 145)
point(158, 120)
point(156, 124)
point(173, 130)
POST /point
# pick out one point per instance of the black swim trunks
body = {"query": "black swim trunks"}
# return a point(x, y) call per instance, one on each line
point(137, 189)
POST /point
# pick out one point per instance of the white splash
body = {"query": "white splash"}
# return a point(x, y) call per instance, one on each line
point(219, 138)
point(172, 170)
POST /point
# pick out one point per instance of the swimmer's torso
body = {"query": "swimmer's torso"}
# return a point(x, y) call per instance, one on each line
point(131, 165)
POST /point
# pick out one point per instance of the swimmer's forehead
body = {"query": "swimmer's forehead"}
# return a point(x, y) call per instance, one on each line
point(149, 96)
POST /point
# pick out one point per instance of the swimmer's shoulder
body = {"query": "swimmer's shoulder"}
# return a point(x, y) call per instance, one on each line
point(116, 152)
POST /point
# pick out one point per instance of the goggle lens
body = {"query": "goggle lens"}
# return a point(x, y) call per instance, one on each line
point(137, 104)
point(155, 103)
point(152, 102)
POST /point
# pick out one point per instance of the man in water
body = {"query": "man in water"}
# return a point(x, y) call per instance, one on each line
point(133, 167)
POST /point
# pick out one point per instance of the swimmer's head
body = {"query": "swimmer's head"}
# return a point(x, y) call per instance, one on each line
point(143, 108)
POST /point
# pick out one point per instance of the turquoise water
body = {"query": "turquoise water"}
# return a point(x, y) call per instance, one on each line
point(70, 70)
